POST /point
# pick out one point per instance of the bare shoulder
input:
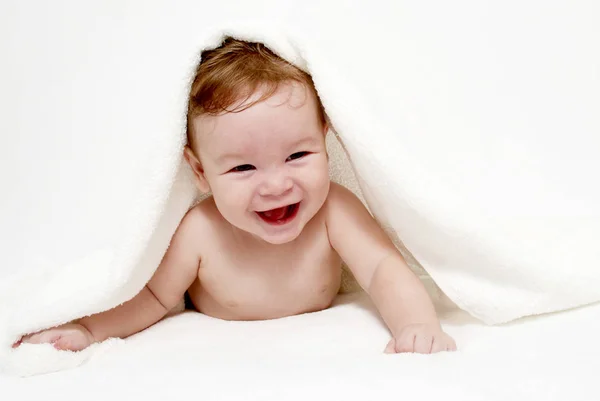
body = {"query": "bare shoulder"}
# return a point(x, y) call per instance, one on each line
point(341, 201)
point(179, 266)
point(347, 219)
point(197, 223)
point(203, 212)
point(355, 234)
point(344, 213)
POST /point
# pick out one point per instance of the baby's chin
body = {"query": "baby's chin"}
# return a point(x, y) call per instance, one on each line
point(259, 233)
point(280, 240)
point(277, 237)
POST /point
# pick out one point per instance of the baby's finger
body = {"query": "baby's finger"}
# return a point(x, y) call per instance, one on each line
point(406, 343)
point(391, 347)
point(450, 344)
point(438, 345)
point(63, 344)
point(31, 338)
point(423, 343)
point(48, 336)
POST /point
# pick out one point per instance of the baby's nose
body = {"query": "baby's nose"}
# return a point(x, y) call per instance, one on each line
point(276, 185)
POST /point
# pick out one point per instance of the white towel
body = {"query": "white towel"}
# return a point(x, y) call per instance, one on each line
point(472, 127)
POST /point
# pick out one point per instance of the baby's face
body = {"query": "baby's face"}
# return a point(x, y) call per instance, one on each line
point(267, 166)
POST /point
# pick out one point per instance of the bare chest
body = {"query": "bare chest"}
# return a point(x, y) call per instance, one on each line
point(246, 283)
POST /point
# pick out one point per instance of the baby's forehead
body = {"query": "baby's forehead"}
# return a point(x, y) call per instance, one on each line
point(292, 94)
point(289, 111)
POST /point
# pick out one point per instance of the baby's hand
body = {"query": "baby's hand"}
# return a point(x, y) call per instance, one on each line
point(70, 336)
point(422, 339)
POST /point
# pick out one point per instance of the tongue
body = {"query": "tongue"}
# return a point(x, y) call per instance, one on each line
point(275, 214)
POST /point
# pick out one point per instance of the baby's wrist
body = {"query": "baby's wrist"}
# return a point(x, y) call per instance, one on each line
point(431, 325)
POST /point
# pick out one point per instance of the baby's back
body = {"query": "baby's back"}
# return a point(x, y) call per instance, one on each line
point(245, 278)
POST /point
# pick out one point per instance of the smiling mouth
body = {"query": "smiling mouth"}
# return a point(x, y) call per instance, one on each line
point(280, 215)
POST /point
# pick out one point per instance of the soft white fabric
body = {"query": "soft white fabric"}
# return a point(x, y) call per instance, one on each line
point(333, 355)
point(472, 127)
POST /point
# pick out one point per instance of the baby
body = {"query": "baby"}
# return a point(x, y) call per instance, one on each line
point(270, 240)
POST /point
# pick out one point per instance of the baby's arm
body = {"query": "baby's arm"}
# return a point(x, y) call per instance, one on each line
point(176, 272)
point(381, 270)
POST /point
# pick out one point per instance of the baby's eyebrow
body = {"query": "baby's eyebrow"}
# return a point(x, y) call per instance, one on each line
point(228, 157)
point(307, 140)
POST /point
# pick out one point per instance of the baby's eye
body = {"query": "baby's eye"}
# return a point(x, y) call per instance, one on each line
point(242, 168)
point(296, 155)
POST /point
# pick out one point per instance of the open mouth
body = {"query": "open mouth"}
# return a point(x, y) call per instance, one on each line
point(280, 215)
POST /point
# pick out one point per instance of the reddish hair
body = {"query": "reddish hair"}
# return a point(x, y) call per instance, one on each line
point(232, 73)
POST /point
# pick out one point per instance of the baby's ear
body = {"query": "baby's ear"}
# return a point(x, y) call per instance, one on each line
point(325, 131)
point(194, 162)
point(325, 128)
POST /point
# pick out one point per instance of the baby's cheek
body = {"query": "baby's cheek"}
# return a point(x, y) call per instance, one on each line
point(228, 197)
point(321, 177)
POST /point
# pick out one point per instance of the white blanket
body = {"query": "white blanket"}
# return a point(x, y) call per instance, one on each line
point(333, 355)
point(472, 126)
